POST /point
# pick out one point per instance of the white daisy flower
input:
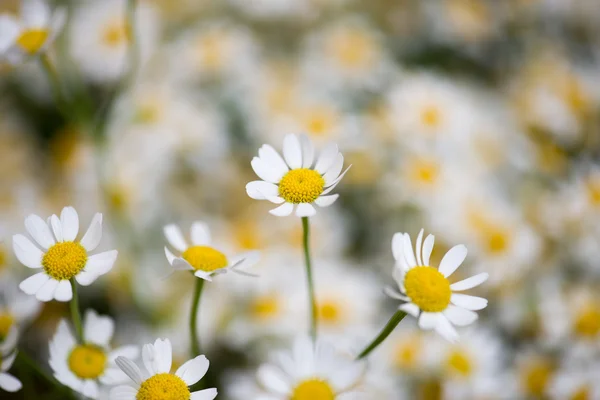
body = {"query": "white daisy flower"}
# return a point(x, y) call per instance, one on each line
point(16, 308)
point(8, 354)
point(30, 34)
point(61, 257)
point(158, 381)
point(83, 366)
point(311, 372)
point(200, 257)
point(296, 181)
point(427, 292)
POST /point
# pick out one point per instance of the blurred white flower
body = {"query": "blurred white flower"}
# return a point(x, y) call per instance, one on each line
point(16, 308)
point(8, 354)
point(62, 257)
point(575, 382)
point(82, 367)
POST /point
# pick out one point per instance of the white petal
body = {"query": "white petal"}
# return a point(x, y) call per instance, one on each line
point(85, 278)
point(407, 251)
point(39, 231)
point(98, 329)
point(92, 236)
point(169, 255)
point(8, 361)
point(275, 199)
point(428, 320)
point(9, 31)
point(326, 158)
point(446, 330)
point(261, 190)
point(452, 260)
point(308, 151)
point(206, 394)
point(122, 393)
point(101, 263)
point(203, 275)
point(334, 171)
point(470, 283)
point(35, 13)
point(9, 383)
point(271, 158)
point(149, 357)
point(428, 248)
point(34, 283)
point(90, 389)
point(273, 379)
point(264, 171)
point(418, 247)
point(397, 246)
point(244, 260)
point(326, 201)
point(26, 252)
point(70, 223)
point(132, 370)
point(46, 292)
point(460, 316)
point(64, 291)
point(164, 355)
point(56, 228)
point(131, 352)
point(393, 293)
point(181, 265)
point(193, 370)
point(468, 302)
point(292, 152)
point(283, 210)
point(175, 237)
point(305, 210)
point(334, 183)
point(10, 341)
point(344, 378)
point(200, 234)
point(410, 309)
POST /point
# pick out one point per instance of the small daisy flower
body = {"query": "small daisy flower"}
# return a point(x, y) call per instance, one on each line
point(200, 257)
point(8, 354)
point(293, 181)
point(427, 292)
point(83, 366)
point(61, 257)
point(158, 381)
point(311, 372)
point(16, 308)
point(32, 33)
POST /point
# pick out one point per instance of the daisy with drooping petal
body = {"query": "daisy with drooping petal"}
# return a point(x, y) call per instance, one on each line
point(83, 366)
point(426, 291)
point(61, 257)
point(200, 257)
point(32, 33)
point(8, 353)
point(296, 181)
point(158, 381)
point(311, 372)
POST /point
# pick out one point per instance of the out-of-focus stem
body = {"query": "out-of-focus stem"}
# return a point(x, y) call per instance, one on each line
point(55, 84)
point(75, 314)
point(194, 340)
point(309, 278)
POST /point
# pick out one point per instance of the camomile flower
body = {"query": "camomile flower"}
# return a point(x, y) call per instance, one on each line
point(200, 256)
point(295, 181)
point(426, 291)
point(16, 308)
point(311, 372)
point(159, 381)
point(8, 354)
point(30, 34)
point(83, 366)
point(61, 257)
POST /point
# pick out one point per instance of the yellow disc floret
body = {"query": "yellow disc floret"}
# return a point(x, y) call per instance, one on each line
point(205, 258)
point(301, 185)
point(32, 40)
point(587, 323)
point(87, 361)
point(313, 389)
point(428, 288)
point(163, 387)
point(6, 322)
point(64, 260)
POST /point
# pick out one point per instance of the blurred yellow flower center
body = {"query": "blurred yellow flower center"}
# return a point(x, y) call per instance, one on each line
point(319, 121)
point(163, 387)
point(424, 171)
point(265, 307)
point(301, 185)
point(116, 33)
point(536, 378)
point(212, 50)
point(87, 361)
point(3, 257)
point(431, 117)
point(428, 288)
point(205, 258)
point(582, 394)
point(31, 40)
point(459, 362)
point(329, 312)
point(313, 389)
point(594, 192)
point(6, 321)
point(587, 322)
point(64, 260)
point(353, 49)
point(406, 352)
point(497, 242)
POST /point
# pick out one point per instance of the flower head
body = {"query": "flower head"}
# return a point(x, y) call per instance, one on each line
point(61, 257)
point(8, 353)
point(426, 291)
point(200, 256)
point(32, 33)
point(293, 181)
point(158, 381)
point(82, 366)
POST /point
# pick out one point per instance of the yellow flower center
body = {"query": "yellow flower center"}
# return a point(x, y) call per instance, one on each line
point(87, 361)
point(64, 260)
point(431, 117)
point(6, 321)
point(313, 389)
point(459, 363)
point(32, 40)
point(406, 353)
point(428, 288)
point(301, 185)
point(3, 257)
point(593, 188)
point(424, 171)
point(536, 378)
point(329, 312)
point(587, 322)
point(205, 258)
point(163, 387)
point(265, 307)
point(582, 394)
point(353, 49)
point(116, 33)
point(319, 120)
point(497, 242)
point(212, 50)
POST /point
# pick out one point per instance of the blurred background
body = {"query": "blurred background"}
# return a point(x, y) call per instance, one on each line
point(477, 120)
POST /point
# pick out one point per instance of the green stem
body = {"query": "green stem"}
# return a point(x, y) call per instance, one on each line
point(195, 341)
point(385, 332)
point(33, 366)
point(75, 314)
point(309, 277)
point(55, 85)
